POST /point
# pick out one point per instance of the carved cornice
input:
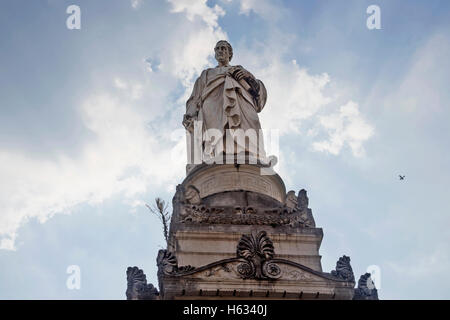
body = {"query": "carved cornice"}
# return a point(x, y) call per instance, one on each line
point(189, 207)
point(202, 214)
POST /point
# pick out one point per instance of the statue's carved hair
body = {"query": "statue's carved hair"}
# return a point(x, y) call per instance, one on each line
point(230, 48)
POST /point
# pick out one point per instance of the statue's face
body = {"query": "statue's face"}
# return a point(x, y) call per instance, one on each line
point(222, 53)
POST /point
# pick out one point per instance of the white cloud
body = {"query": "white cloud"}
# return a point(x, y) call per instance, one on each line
point(297, 100)
point(264, 8)
point(119, 83)
point(136, 3)
point(344, 127)
point(124, 157)
point(152, 64)
point(134, 89)
point(199, 9)
point(190, 56)
point(294, 95)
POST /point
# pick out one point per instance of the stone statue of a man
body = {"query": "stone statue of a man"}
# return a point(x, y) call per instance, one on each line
point(225, 99)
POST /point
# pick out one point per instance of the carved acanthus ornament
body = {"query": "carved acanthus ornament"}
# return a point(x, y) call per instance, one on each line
point(257, 250)
point(137, 287)
point(167, 264)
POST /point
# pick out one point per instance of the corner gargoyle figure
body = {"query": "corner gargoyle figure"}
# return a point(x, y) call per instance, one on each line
point(366, 289)
point(344, 270)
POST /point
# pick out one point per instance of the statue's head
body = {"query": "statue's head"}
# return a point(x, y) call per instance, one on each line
point(223, 52)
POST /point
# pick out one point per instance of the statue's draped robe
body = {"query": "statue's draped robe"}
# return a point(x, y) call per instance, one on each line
point(223, 103)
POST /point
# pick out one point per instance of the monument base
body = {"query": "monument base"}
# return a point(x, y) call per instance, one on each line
point(237, 234)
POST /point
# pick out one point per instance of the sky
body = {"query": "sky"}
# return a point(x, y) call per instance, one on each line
point(90, 131)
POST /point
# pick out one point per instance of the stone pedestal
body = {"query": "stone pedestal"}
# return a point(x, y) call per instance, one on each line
point(201, 245)
point(217, 179)
point(219, 208)
point(236, 234)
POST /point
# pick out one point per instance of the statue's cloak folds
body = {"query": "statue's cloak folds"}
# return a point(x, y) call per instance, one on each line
point(223, 103)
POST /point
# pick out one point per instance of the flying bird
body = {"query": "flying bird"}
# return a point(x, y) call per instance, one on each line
point(401, 177)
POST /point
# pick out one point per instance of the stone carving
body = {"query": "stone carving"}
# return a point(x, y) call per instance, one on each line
point(137, 288)
point(178, 196)
point(301, 220)
point(272, 270)
point(344, 270)
point(298, 206)
point(168, 265)
point(366, 289)
point(166, 262)
point(198, 214)
point(257, 251)
point(298, 275)
point(250, 210)
point(291, 200)
point(225, 179)
point(302, 200)
point(216, 270)
point(254, 260)
point(192, 195)
point(246, 270)
point(244, 216)
point(224, 98)
point(244, 210)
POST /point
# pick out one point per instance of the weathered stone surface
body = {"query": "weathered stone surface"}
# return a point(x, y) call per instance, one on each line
point(168, 265)
point(207, 232)
point(237, 215)
point(366, 289)
point(242, 206)
point(291, 200)
point(344, 270)
point(137, 287)
point(254, 271)
point(205, 236)
point(257, 249)
point(203, 244)
point(192, 195)
point(214, 179)
point(241, 198)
